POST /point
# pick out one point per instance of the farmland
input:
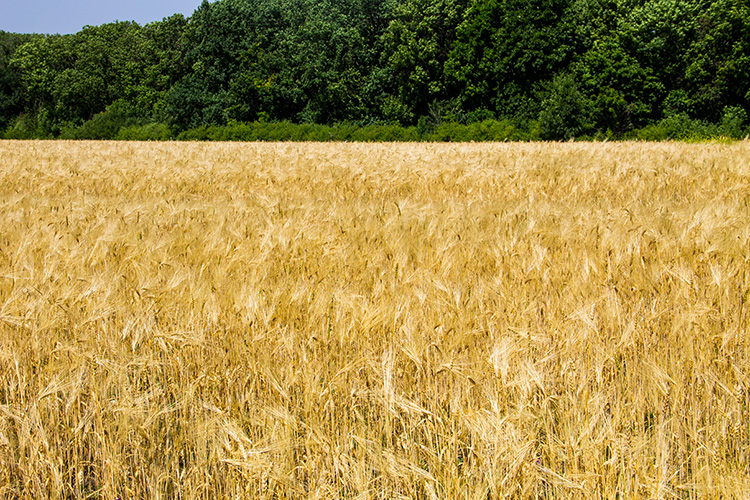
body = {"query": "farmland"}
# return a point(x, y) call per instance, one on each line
point(473, 321)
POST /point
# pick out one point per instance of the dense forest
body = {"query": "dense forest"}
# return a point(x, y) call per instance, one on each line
point(393, 69)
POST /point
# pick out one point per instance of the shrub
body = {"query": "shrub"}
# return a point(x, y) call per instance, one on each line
point(566, 111)
point(676, 127)
point(733, 122)
point(105, 125)
point(147, 132)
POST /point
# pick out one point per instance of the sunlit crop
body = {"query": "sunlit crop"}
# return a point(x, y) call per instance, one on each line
point(291, 321)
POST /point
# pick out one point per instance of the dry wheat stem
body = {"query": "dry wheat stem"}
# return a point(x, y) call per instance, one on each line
point(374, 321)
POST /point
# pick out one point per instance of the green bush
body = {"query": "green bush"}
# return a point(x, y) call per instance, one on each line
point(147, 132)
point(384, 133)
point(566, 112)
point(104, 125)
point(483, 131)
point(109, 125)
point(27, 127)
point(678, 127)
point(733, 122)
point(286, 131)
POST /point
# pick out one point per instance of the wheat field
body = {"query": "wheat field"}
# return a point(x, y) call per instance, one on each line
point(359, 321)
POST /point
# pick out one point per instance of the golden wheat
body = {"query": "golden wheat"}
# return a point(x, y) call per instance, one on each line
point(374, 321)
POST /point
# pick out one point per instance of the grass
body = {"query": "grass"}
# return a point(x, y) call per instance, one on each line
point(374, 321)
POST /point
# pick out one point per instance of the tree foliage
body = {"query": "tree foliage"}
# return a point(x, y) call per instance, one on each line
point(563, 67)
point(507, 50)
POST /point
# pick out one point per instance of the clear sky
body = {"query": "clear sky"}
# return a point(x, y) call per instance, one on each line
point(69, 16)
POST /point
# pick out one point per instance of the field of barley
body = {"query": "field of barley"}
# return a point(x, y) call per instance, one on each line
point(361, 321)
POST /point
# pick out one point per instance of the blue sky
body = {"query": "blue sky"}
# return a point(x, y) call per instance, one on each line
point(69, 16)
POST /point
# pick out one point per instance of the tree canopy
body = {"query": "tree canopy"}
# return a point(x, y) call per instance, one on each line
point(564, 68)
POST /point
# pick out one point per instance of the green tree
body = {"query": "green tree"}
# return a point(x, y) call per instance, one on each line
point(659, 33)
point(566, 112)
point(162, 68)
point(416, 46)
point(302, 60)
point(717, 63)
point(508, 50)
point(214, 40)
point(319, 68)
point(39, 63)
point(11, 96)
point(72, 78)
point(623, 93)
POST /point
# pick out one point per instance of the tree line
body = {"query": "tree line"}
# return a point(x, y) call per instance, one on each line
point(410, 69)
